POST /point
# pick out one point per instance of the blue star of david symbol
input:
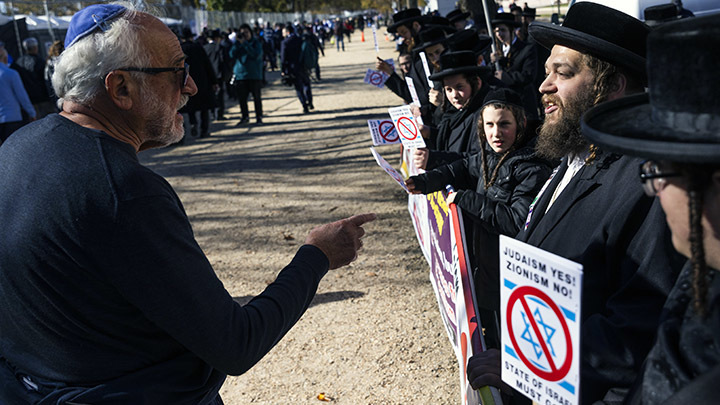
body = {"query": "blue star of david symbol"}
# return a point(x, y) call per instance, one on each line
point(528, 337)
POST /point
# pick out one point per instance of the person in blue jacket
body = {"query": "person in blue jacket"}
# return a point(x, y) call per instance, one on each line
point(248, 70)
point(13, 99)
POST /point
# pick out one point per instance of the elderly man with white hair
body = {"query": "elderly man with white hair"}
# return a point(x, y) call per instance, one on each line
point(106, 296)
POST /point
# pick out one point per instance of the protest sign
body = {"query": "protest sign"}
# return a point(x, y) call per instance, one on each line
point(540, 296)
point(375, 78)
point(374, 29)
point(407, 127)
point(383, 132)
point(426, 67)
point(414, 95)
point(389, 169)
point(469, 323)
point(440, 231)
point(413, 92)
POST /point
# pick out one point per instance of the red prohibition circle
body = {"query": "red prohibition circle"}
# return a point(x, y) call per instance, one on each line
point(410, 127)
point(375, 78)
point(556, 374)
point(386, 135)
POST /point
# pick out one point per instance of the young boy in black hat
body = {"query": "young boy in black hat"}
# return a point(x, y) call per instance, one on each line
point(677, 127)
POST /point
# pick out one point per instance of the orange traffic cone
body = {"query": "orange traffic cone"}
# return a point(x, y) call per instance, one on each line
point(362, 36)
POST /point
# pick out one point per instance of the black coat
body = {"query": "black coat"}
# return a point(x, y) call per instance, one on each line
point(32, 73)
point(398, 86)
point(219, 59)
point(290, 54)
point(604, 221)
point(203, 73)
point(499, 209)
point(519, 74)
point(457, 133)
point(684, 365)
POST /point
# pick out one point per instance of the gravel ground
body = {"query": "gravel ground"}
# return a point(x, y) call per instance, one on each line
point(373, 334)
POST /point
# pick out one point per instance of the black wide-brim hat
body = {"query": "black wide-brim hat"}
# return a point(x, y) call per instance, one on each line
point(433, 21)
point(505, 18)
point(429, 37)
point(404, 17)
point(601, 31)
point(469, 40)
point(455, 63)
point(679, 119)
point(457, 15)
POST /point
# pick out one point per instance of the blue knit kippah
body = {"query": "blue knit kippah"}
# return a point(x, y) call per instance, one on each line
point(87, 20)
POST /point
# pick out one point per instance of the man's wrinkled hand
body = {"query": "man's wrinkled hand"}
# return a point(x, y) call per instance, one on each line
point(340, 240)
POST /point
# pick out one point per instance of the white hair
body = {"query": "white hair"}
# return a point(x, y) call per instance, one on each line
point(81, 69)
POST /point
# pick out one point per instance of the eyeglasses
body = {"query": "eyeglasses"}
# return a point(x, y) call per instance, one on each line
point(185, 69)
point(654, 178)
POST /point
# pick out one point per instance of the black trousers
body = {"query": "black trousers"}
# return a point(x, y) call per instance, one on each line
point(244, 88)
point(204, 123)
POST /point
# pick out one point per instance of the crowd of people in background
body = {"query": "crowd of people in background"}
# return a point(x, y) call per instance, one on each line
point(228, 64)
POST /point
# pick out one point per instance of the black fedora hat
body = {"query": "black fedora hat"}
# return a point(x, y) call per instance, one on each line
point(429, 37)
point(679, 120)
point(601, 31)
point(469, 40)
point(404, 17)
point(455, 63)
point(457, 15)
point(434, 21)
point(505, 18)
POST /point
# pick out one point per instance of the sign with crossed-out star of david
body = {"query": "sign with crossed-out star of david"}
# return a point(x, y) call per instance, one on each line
point(540, 310)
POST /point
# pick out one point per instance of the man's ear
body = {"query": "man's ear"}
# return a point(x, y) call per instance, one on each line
point(120, 89)
point(416, 26)
point(618, 87)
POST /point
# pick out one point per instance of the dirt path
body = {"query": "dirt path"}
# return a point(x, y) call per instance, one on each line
point(373, 334)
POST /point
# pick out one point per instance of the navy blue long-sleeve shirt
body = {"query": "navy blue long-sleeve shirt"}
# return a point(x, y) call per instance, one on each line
point(102, 279)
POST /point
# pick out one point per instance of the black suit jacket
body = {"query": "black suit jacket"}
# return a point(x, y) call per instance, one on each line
point(519, 74)
point(604, 221)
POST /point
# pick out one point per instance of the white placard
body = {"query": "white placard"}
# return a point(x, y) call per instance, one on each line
point(389, 169)
point(377, 48)
point(540, 296)
point(383, 132)
point(375, 78)
point(426, 67)
point(407, 127)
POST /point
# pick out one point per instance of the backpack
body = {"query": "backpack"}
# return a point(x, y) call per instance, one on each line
point(308, 54)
